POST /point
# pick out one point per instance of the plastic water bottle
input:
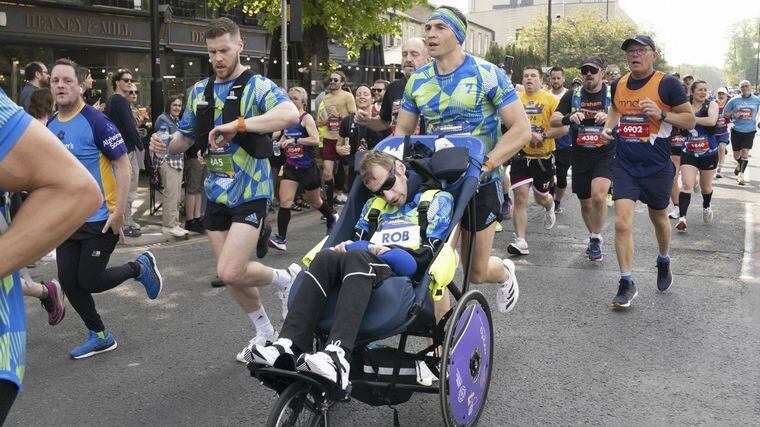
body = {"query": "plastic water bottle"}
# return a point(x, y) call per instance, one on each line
point(163, 133)
point(276, 148)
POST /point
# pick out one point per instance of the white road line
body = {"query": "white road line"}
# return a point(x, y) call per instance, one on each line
point(749, 243)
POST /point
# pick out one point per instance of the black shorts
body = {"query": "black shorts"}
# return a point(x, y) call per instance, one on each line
point(488, 202)
point(704, 163)
point(675, 151)
point(309, 177)
point(220, 217)
point(539, 172)
point(741, 141)
point(588, 166)
point(562, 162)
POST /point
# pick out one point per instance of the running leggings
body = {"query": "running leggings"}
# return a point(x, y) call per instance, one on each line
point(354, 273)
point(8, 393)
point(82, 261)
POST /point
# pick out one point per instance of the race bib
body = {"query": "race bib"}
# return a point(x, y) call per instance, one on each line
point(402, 234)
point(220, 163)
point(698, 144)
point(677, 141)
point(294, 151)
point(333, 124)
point(456, 127)
point(589, 136)
point(634, 128)
point(744, 113)
point(721, 121)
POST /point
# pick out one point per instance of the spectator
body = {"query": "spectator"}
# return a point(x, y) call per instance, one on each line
point(378, 91)
point(91, 96)
point(41, 105)
point(37, 76)
point(119, 111)
point(171, 171)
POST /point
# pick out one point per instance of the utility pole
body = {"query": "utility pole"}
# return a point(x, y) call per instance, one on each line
point(156, 81)
point(549, 36)
point(284, 43)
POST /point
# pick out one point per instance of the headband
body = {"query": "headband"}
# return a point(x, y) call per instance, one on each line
point(451, 20)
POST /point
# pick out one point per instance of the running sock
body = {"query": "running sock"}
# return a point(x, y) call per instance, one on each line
point(280, 278)
point(45, 292)
point(663, 258)
point(683, 203)
point(283, 219)
point(556, 204)
point(744, 162)
point(706, 199)
point(330, 192)
point(261, 322)
point(325, 210)
point(626, 275)
point(596, 236)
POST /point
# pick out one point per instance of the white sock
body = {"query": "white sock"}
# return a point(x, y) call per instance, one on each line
point(261, 322)
point(596, 236)
point(280, 278)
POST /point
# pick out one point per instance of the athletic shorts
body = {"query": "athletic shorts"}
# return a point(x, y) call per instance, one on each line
point(653, 190)
point(220, 217)
point(722, 139)
point(329, 152)
point(195, 174)
point(309, 177)
point(741, 141)
point(675, 151)
point(704, 163)
point(590, 166)
point(488, 202)
point(539, 172)
point(562, 162)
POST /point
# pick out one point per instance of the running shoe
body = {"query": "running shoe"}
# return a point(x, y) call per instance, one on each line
point(674, 213)
point(506, 208)
point(740, 179)
point(664, 277)
point(331, 223)
point(610, 202)
point(506, 295)
point(681, 226)
point(53, 304)
point(175, 231)
point(262, 245)
point(244, 356)
point(217, 283)
point(499, 228)
point(518, 247)
point(718, 176)
point(195, 225)
point(335, 212)
point(268, 354)
point(284, 293)
point(595, 250)
point(330, 364)
point(341, 198)
point(130, 231)
point(424, 375)
point(549, 219)
point(557, 208)
point(707, 214)
point(625, 294)
point(149, 275)
point(738, 169)
point(97, 342)
point(278, 243)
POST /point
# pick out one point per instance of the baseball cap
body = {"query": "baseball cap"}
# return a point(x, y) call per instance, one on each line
point(688, 76)
point(721, 90)
point(577, 80)
point(640, 39)
point(593, 61)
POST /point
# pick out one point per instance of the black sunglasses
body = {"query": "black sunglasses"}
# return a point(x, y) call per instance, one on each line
point(134, 92)
point(389, 182)
point(586, 70)
point(334, 80)
point(127, 80)
point(374, 90)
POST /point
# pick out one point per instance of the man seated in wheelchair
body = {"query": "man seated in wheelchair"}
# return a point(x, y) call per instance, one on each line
point(399, 247)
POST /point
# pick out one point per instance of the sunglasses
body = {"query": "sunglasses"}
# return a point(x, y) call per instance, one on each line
point(389, 182)
point(134, 92)
point(127, 80)
point(375, 90)
point(335, 80)
point(613, 73)
point(587, 70)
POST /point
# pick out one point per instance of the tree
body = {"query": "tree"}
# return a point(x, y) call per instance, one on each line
point(522, 57)
point(582, 35)
point(741, 56)
point(712, 75)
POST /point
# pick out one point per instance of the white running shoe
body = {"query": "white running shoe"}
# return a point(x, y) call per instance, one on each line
point(506, 296)
point(674, 213)
point(328, 364)
point(499, 228)
point(518, 247)
point(268, 354)
point(550, 218)
point(424, 375)
point(284, 293)
point(707, 214)
point(263, 340)
point(175, 231)
point(681, 226)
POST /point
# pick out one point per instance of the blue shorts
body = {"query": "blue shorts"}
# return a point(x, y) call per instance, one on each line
point(653, 190)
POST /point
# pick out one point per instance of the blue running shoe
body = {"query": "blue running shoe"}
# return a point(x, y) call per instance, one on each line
point(626, 293)
point(278, 243)
point(149, 275)
point(95, 344)
point(595, 250)
point(664, 277)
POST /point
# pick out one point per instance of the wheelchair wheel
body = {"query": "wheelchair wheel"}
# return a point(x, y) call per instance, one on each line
point(297, 407)
point(467, 361)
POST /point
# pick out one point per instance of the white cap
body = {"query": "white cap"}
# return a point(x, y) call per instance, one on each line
point(721, 89)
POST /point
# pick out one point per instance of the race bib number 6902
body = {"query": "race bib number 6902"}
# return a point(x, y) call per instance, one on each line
point(634, 128)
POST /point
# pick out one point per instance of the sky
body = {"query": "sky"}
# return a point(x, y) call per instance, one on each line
point(679, 43)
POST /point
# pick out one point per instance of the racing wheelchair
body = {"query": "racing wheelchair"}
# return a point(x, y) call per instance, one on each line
point(399, 306)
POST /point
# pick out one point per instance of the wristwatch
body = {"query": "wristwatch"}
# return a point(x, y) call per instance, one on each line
point(662, 115)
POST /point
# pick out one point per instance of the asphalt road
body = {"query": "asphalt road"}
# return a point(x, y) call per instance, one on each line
point(562, 357)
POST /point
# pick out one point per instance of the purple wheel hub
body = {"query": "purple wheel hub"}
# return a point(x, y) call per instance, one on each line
point(469, 364)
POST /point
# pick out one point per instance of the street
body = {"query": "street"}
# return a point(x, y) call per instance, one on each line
point(562, 356)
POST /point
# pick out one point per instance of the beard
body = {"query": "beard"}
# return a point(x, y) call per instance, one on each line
point(229, 70)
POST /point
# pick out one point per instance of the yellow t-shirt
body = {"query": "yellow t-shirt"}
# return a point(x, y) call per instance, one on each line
point(539, 108)
point(345, 104)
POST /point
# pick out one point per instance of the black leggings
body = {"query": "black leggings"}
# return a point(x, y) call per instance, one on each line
point(82, 261)
point(355, 273)
point(8, 393)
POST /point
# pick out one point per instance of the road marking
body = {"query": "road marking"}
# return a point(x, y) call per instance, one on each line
point(749, 243)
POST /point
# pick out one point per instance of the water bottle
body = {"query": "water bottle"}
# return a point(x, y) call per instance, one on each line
point(163, 133)
point(276, 148)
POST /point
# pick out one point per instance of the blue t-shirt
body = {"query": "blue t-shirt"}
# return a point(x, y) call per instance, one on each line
point(744, 112)
point(252, 177)
point(94, 140)
point(13, 122)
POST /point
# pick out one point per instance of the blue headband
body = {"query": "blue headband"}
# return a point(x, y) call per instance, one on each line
point(452, 21)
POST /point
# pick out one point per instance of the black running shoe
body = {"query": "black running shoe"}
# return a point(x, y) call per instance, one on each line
point(217, 283)
point(664, 277)
point(262, 246)
point(625, 294)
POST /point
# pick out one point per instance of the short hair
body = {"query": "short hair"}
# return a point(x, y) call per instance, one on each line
point(382, 82)
point(31, 69)
point(83, 73)
point(372, 158)
point(118, 76)
point(301, 91)
point(532, 67)
point(456, 12)
point(221, 26)
point(41, 103)
point(557, 68)
point(69, 63)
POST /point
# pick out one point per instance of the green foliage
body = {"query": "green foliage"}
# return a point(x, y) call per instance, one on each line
point(741, 56)
point(355, 24)
point(712, 75)
point(582, 35)
point(522, 57)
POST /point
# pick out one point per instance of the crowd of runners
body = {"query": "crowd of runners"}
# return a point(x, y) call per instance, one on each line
point(641, 135)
